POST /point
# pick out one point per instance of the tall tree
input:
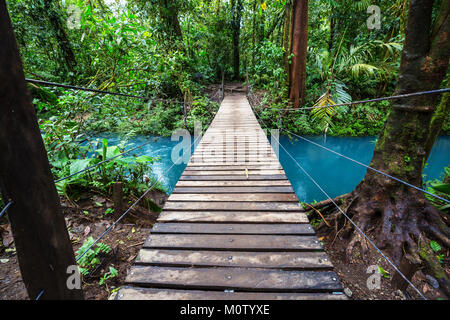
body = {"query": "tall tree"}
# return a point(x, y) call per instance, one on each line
point(54, 13)
point(401, 217)
point(286, 36)
point(236, 12)
point(40, 234)
point(299, 44)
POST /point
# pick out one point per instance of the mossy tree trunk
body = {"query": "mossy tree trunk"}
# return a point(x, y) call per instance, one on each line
point(400, 217)
point(44, 250)
point(299, 44)
point(236, 11)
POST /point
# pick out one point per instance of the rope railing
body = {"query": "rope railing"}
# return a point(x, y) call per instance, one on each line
point(367, 166)
point(343, 212)
point(68, 86)
point(126, 211)
point(102, 162)
point(400, 96)
point(6, 208)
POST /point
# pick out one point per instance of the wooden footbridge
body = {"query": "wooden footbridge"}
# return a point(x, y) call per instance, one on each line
point(233, 227)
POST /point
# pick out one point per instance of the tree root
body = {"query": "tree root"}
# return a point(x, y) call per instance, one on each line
point(400, 225)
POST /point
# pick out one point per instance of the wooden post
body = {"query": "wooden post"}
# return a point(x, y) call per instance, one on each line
point(40, 234)
point(118, 199)
point(185, 112)
point(223, 84)
point(246, 81)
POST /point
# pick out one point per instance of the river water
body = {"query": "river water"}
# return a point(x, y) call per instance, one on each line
point(336, 175)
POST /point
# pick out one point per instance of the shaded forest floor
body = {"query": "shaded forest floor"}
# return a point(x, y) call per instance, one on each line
point(354, 274)
point(125, 239)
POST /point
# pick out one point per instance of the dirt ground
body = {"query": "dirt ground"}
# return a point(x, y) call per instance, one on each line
point(354, 274)
point(85, 219)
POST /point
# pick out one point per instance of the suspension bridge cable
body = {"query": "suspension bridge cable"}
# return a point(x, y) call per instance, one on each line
point(119, 219)
point(67, 86)
point(406, 95)
point(6, 208)
point(342, 211)
point(368, 167)
point(103, 161)
point(129, 208)
point(125, 213)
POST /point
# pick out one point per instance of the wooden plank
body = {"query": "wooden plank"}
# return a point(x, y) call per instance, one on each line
point(135, 293)
point(234, 197)
point(243, 177)
point(267, 260)
point(234, 167)
point(241, 206)
point(237, 278)
point(233, 217)
point(231, 172)
point(233, 190)
point(221, 229)
point(232, 242)
point(235, 228)
point(244, 183)
point(232, 163)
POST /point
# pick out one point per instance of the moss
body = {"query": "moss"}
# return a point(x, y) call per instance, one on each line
point(432, 262)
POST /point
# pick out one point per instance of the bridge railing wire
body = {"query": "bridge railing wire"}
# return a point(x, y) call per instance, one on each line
point(67, 86)
point(400, 96)
point(369, 167)
point(126, 211)
point(103, 161)
point(5, 208)
point(343, 212)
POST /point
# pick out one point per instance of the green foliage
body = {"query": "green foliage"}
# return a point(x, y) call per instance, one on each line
point(70, 152)
point(440, 188)
point(172, 49)
point(91, 258)
point(108, 275)
point(435, 246)
point(383, 272)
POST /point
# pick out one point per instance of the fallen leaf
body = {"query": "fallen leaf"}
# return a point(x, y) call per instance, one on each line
point(321, 238)
point(133, 230)
point(87, 230)
point(4, 260)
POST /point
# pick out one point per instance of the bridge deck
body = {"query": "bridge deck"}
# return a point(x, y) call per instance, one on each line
point(233, 227)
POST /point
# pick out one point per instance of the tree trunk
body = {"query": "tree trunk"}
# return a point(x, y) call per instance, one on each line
point(40, 235)
point(286, 38)
point(299, 44)
point(331, 39)
point(54, 17)
point(236, 9)
point(400, 217)
point(168, 10)
point(255, 3)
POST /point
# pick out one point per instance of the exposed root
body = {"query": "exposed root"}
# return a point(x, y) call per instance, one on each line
point(401, 225)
